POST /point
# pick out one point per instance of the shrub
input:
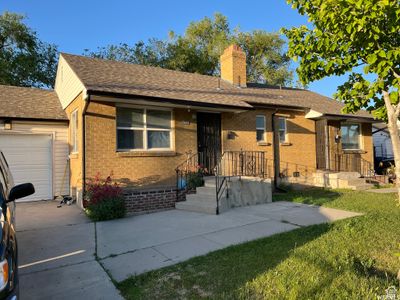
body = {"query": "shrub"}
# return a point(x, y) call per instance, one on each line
point(195, 177)
point(104, 200)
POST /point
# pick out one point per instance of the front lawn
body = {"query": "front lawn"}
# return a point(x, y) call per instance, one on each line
point(348, 259)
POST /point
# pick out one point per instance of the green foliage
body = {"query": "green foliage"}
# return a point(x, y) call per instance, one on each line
point(104, 199)
point(348, 259)
point(194, 180)
point(24, 59)
point(108, 209)
point(199, 48)
point(350, 36)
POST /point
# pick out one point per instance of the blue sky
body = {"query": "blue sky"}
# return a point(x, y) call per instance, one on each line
point(76, 25)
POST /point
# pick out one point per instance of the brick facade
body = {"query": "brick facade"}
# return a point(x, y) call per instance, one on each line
point(299, 153)
point(233, 66)
point(135, 169)
point(156, 170)
point(147, 201)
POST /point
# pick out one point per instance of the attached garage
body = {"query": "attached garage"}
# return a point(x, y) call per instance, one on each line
point(30, 164)
point(35, 145)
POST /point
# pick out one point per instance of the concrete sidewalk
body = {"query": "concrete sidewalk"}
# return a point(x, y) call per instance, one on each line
point(142, 243)
point(56, 249)
point(383, 191)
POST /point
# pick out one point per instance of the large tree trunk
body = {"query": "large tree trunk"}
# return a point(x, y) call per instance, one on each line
point(393, 115)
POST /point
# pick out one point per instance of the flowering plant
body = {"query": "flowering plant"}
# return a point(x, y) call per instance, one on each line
point(104, 199)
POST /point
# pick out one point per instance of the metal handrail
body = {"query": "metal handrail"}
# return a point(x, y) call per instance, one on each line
point(237, 164)
point(348, 162)
point(183, 170)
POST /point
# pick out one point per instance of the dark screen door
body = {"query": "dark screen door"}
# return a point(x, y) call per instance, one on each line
point(209, 139)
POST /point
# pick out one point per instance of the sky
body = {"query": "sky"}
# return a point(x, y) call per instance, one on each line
point(87, 24)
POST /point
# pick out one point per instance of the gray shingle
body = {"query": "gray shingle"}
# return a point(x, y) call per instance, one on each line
point(100, 75)
point(30, 103)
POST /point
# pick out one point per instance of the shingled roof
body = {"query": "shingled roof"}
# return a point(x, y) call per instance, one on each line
point(30, 103)
point(99, 75)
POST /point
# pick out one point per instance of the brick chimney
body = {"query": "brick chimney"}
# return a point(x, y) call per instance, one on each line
point(233, 66)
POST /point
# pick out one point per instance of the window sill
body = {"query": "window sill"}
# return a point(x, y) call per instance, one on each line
point(354, 151)
point(73, 155)
point(286, 144)
point(145, 153)
point(261, 143)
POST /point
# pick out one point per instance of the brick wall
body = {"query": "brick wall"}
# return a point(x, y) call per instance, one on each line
point(233, 65)
point(367, 146)
point(147, 201)
point(297, 155)
point(135, 169)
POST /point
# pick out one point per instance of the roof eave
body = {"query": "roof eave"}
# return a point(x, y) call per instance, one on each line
point(179, 103)
point(34, 119)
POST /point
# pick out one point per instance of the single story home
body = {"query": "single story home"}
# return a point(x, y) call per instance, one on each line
point(140, 124)
point(34, 140)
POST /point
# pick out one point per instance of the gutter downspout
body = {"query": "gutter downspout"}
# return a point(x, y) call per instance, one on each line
point(276, 147)
point(275, 142)
point(87, 100)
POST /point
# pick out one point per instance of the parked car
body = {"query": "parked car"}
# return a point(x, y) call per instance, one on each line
point(9, 287)
point(384, 166)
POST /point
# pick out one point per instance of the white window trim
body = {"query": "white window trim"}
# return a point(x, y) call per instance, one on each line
point(360, 137)
point(74, 131)
point(145, 130)
point(286, 131)
point(264, 128)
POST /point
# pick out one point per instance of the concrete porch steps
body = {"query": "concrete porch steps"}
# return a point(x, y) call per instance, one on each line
point(342, 180)
point(203, 201)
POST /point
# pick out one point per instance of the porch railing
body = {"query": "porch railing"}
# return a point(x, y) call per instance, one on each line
point(237, 164)
point(187, 173)
point(350, 162)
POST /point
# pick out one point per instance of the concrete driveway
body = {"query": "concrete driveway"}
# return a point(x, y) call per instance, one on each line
point(138, 244)
point(57, 254)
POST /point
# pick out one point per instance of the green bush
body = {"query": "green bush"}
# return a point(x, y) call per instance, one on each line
point(107, 209)
point(104, 200)
point(194, 180)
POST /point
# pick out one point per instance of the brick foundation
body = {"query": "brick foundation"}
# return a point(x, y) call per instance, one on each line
point(151, 200)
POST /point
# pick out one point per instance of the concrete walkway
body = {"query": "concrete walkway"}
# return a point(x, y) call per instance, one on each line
point(56, 249)
point(138, 244)
point(383, 191)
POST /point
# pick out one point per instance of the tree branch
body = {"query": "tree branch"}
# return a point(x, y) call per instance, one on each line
point(388, 105)
point(395, 73)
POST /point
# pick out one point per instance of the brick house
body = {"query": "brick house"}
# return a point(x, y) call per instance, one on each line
point(139, 123)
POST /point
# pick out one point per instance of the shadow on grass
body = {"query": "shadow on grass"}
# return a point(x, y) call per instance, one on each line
point(220, 273)
point(315, 196)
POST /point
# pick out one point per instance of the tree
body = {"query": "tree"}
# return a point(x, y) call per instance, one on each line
point(198, 51)
point(24, 59)
point(359, 37)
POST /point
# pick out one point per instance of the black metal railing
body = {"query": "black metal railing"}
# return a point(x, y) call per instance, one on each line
point(189, 174)
point(290, 169)
point(350, 162)
point(237, 164)
point(243, 163)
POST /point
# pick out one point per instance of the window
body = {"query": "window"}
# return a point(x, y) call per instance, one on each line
point(143, 129)
point(260, 128)
point(74, 131)
point(351, 134)
point(282, 130)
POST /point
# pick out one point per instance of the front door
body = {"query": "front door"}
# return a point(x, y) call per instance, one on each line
point(209, 139)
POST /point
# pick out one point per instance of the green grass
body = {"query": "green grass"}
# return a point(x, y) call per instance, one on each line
point(348, 259)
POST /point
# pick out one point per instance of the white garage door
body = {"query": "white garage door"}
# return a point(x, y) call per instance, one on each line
point(30, 159)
